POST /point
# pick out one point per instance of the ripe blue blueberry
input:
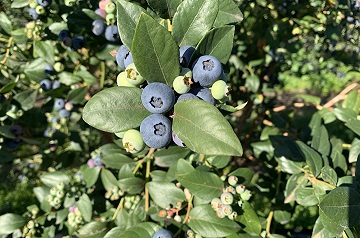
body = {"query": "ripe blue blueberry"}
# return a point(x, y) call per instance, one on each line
point(44, 3)
point(64, 113)
point(206, 70)
point(78, 42)
point(204, 94)
point(12, 144)
point(157, 97)
point(186, 96)
point(63, 34)
point(156, 131)
point(59, 103)
point(49, 70)
point(98, 27)
point(186, 52)
point(123, 57)
point(45, 84)
point(33, 13)
point(111, 33)
point(16, 130)
point(177, 140)
point(163, 234)
point(97, 160)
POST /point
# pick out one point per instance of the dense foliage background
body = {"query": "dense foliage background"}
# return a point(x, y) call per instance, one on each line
point(294, 63)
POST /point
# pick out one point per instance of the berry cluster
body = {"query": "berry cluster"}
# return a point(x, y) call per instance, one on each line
point(106, 25)
point(114, 194)
point(30, 229)
point(75, 218)
point(234, 194)
point(76, 42)
point(191, 234)
point(56, 196)
point(95, 161)
point(62, 107)
point(171, 213)
point(38, 7)
point(204, 80)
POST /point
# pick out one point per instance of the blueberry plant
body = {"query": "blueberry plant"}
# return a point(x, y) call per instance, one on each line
point(179, 118)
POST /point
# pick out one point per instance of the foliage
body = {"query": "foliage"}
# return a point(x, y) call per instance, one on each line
point(274, 157)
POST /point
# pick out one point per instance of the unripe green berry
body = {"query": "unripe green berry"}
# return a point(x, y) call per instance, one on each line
point(230, 189)
point(30, 224)
point(219, 90)
point(186, 72)
point(233, 215)
point(220, 213)
point(49, 198)
point(122, 81)
point(246, 195)
point(53, 191)
point(181, 84)
point(216, 203)
point(227, 198)
point(240, 203)
point(78, 219)
point(110, 18)
point(132, 141)
point(133, 76)
point(110, 8)
point(59, 67)
point(227, 210)
point(60, 194)
point(33, 3)
point(40, 10)
point(232, 180)
point(71, 216)
point(60, 185)
point(240, 189)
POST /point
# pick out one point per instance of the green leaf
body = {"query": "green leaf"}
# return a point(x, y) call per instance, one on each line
point(218, 161)
point(354, 150)
point(128, 15)
point(169, 156)
point(91, 14)
point(289, 166)
point(340, 209)
point(51, 179)
point(352, 101)
point(26, 98)
point(44, 50)
point(57, 27)
point(344, 114)
point(249, 219)
point(313, 159)
point(85, 207)
point(291, 187)
point(68, 78)
point(203, 184)
point(204, 129)
point(245, 175)
point(19, 3)
point(77, 95)
point(35, 70)
point(320, 231)
point(229, 13)
point(95, 229)
point(217, 42)
point(205, 223)
point(154, 51)
point(88, 78)
point(91, 175)
point(116, 160)
point(143, 230)
point(305, 196)
point(115, 109)
point(173, 193)
point(283, 217)
point(320, 140)
point(124, 220)
point(7, 87)
point(132, 185)
point(193, 19)
point(354, 125)
point(164, 8)
point(10, 222)
point(5, 23)
point(329, 175)
point(108, 179)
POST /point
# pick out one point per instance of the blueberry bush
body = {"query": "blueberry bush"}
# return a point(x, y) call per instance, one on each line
point(179, 118)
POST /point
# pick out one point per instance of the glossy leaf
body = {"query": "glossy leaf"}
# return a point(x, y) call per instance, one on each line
point(217, 42)
point(19, 3)
point(320, 140)
point(354, 150)
point(10, 222)
point(228, 13)
point(95, 229)
point(173, 193)
point(116, 160)
point(320, 231)
point(306, 196)
point(205, 222)
point(170, 156)
point(143, 230)
point(26, 98)
point(354, 125)
point(344, 114)
point(154, 51)
point(115, 109)
point(204, 129)
point(132, 185)
point(44, 50)
point(85, 207)
point(128, 15)
point(313, 159)
point(91, 175)
point(108, 179)
point(124, 220)
point(329, 175)
point(193, 19)
point(164, 8)
point(289, 166)
point(5, 23)
point(249, 219)
point(51, 179)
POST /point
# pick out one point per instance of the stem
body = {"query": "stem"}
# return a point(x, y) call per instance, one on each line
point(188, 209)
point(7, 51)
point(118, 208)
point(344, 235)
point(102, 78)
point(268, 223)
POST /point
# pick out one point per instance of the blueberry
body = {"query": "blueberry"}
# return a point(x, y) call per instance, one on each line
point(132, 141)
point(33, 3)
point(181, 84)
point(64, 113)
point(186, 96)
point(59, 67)
point(67, 41)
point(219, 90)
point(45, 84)
point(206, 70)
point(98, 27)
point(78, 42)
point(100, 12)
point(157, 97)
point(204, 94)
point(91, 163)
point(49, 70)
point(33, 13)
point(163, 234)
point(132, 75)
point(44, 3)
point(16, 130)
point(63, 34)
point(186, 52)
point(69, 106)
point(97, 160)
point(123, 55)
point(111, 33)
point(156, 131)
point(55, 85)
point(59, 103)
point(177, 140)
